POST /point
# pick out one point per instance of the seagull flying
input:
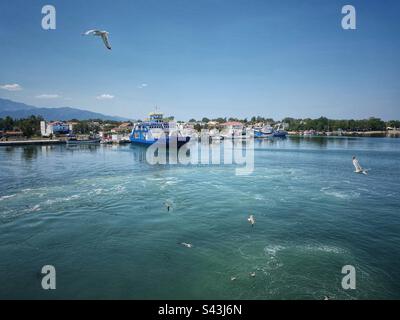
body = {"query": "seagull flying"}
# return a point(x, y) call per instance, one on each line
point(102, 34)
point(252, 220)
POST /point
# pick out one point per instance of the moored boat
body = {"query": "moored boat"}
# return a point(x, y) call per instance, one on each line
point(157, 130)
point(83, 141)
point(269, 132)
point(72, 140)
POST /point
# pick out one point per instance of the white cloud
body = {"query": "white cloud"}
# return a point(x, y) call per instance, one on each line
point(11, 87)
point(143, 85)
point(48, 96)
point(105, 96)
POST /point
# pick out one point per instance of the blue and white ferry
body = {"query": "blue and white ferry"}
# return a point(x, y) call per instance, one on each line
point(157, 130)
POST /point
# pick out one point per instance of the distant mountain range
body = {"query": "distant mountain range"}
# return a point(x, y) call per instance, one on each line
point(19, 110)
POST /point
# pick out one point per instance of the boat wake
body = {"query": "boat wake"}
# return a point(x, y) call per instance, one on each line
point(345, 195)
point(59, 200)
point(7, 197)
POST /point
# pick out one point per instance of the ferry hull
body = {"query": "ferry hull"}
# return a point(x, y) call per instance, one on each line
point(166, 143)
point(275, 134)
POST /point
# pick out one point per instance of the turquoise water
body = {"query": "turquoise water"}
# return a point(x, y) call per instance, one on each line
point(97, 214)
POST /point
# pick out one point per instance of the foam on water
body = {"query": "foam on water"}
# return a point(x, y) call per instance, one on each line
point(114, 222)
point(272, 250)
point(7, 197)
point(118, 189)
point(345, 195)
point(65, 199)
point(259, 197)
point(323, 248)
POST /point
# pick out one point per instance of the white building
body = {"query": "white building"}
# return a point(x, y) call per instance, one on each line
point(232, 129)
point(53, 128)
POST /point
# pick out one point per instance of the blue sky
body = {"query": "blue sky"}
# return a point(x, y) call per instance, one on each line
point(206, 57)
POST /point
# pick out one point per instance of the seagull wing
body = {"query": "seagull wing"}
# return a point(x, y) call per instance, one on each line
point(104, 36)
point(89, 32)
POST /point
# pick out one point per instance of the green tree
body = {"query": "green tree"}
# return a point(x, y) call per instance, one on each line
point(30, 126)
point(7, 123)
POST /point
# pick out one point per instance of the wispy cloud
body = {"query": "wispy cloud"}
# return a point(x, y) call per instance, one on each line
point(105, 96)
point(47, 96)
point(143, 85)
point(11, 87)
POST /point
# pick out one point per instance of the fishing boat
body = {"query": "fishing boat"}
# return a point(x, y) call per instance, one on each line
point(263, 132)
point(157, 130)
point(280, 132)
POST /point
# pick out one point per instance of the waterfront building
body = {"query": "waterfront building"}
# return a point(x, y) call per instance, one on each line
point(54, 128)
point(232, 129)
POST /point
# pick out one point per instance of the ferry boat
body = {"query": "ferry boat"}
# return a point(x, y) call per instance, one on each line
point(156, 130)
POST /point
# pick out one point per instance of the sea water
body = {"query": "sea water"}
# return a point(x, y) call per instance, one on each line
point(98, 215)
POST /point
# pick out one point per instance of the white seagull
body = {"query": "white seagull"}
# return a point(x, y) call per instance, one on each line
point(102, 34)
point(187, 245)
point(252, 220)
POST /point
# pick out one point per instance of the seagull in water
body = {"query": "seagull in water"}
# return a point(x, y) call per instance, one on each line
point(168, 205)
point(102, 34)
point(187, 245)
point(252, 220)
point(358, 167)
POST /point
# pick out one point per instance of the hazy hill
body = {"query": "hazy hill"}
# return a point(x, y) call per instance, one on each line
point(19, 110)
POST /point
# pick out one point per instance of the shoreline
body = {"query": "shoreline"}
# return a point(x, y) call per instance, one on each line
point(349, 134)
point(17, 143)
point(30, 143)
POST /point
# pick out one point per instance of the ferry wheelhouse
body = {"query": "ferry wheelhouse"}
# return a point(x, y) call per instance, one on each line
point(157, 130)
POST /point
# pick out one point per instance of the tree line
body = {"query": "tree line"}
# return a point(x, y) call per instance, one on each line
point(31, 126)
point(28, 126)
point(325, 124)
point(320, 124)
